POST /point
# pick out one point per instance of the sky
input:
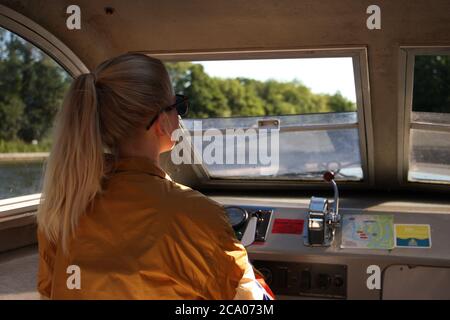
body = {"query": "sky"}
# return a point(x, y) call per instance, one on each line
point(321, 75)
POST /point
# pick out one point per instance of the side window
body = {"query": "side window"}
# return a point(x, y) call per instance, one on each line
point(429, 156)
point(32, 86)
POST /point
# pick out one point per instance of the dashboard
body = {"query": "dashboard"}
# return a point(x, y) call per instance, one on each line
point(295, 270)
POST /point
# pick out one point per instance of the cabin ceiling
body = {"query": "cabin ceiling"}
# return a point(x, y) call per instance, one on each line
point(206, 25)
point(175, 25)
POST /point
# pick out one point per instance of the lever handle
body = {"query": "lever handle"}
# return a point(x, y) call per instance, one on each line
point(328, 176)
point(250, 232)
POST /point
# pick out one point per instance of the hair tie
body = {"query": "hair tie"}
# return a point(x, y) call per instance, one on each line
point(94, 76)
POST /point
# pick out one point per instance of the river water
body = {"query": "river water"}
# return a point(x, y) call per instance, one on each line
point(20, 178)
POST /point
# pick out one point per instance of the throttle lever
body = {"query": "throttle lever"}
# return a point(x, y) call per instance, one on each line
point(323, 217)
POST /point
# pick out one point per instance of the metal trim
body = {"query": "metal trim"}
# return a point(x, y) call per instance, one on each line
point(430, 126)
point(41, 38)
point(406, 79)
point(362, 87)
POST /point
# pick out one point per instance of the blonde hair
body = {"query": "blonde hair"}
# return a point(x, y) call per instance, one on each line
point(100, 110)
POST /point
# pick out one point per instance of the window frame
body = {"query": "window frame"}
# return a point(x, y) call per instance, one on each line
point(406, 86)
point(362, 90)
point(42, 39)
point(30, 31)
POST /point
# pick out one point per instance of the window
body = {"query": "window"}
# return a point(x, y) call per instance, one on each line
point(309, 103)
point(32, 86)
point(429, 129)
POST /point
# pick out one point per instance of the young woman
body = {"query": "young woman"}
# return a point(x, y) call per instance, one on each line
point(111, 222)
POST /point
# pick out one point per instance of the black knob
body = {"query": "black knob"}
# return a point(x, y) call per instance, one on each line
point(328, 176)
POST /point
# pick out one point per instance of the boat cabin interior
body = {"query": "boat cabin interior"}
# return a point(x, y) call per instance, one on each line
point(323, 127)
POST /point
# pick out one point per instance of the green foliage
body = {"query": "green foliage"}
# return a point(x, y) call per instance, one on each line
point(11, 113)
point(32, 86)
point(432, 84)
point(216, 97)
point(338, 103)
point(21, 146)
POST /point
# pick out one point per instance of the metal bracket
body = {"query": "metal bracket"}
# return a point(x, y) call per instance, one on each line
point(323, 218)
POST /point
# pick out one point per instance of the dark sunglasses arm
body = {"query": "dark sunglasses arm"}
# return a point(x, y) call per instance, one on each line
point(183, 100)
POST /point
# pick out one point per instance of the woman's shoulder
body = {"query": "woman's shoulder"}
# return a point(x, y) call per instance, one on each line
point(175, 202)
point(194, 202)
point(196, 209)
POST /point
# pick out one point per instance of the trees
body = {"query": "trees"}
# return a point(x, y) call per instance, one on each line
point(338, 103)
point(32, 86)
point(216, 97)
point(432, 84)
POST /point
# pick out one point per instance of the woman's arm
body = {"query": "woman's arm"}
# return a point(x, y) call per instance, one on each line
point(248, 288)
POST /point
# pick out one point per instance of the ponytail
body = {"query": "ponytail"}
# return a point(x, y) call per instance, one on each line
point(75, 166)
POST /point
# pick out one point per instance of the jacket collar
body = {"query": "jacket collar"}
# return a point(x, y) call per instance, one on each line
point(136, 164)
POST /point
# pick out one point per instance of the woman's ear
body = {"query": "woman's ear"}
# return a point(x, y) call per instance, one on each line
point(162, 125)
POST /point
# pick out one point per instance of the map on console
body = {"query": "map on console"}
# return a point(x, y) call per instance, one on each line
point(368, 231)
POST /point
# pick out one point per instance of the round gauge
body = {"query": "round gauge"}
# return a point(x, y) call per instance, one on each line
point(237, 216)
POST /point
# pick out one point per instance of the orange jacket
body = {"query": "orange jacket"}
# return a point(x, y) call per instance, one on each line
point(148, 237)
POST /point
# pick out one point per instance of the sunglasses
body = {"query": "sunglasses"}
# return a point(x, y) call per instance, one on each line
point(181, 104)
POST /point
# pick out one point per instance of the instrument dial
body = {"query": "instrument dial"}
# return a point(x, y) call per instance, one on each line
point(237, 216)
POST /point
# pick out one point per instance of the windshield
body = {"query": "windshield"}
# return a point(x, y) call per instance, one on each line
point(272, 118)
